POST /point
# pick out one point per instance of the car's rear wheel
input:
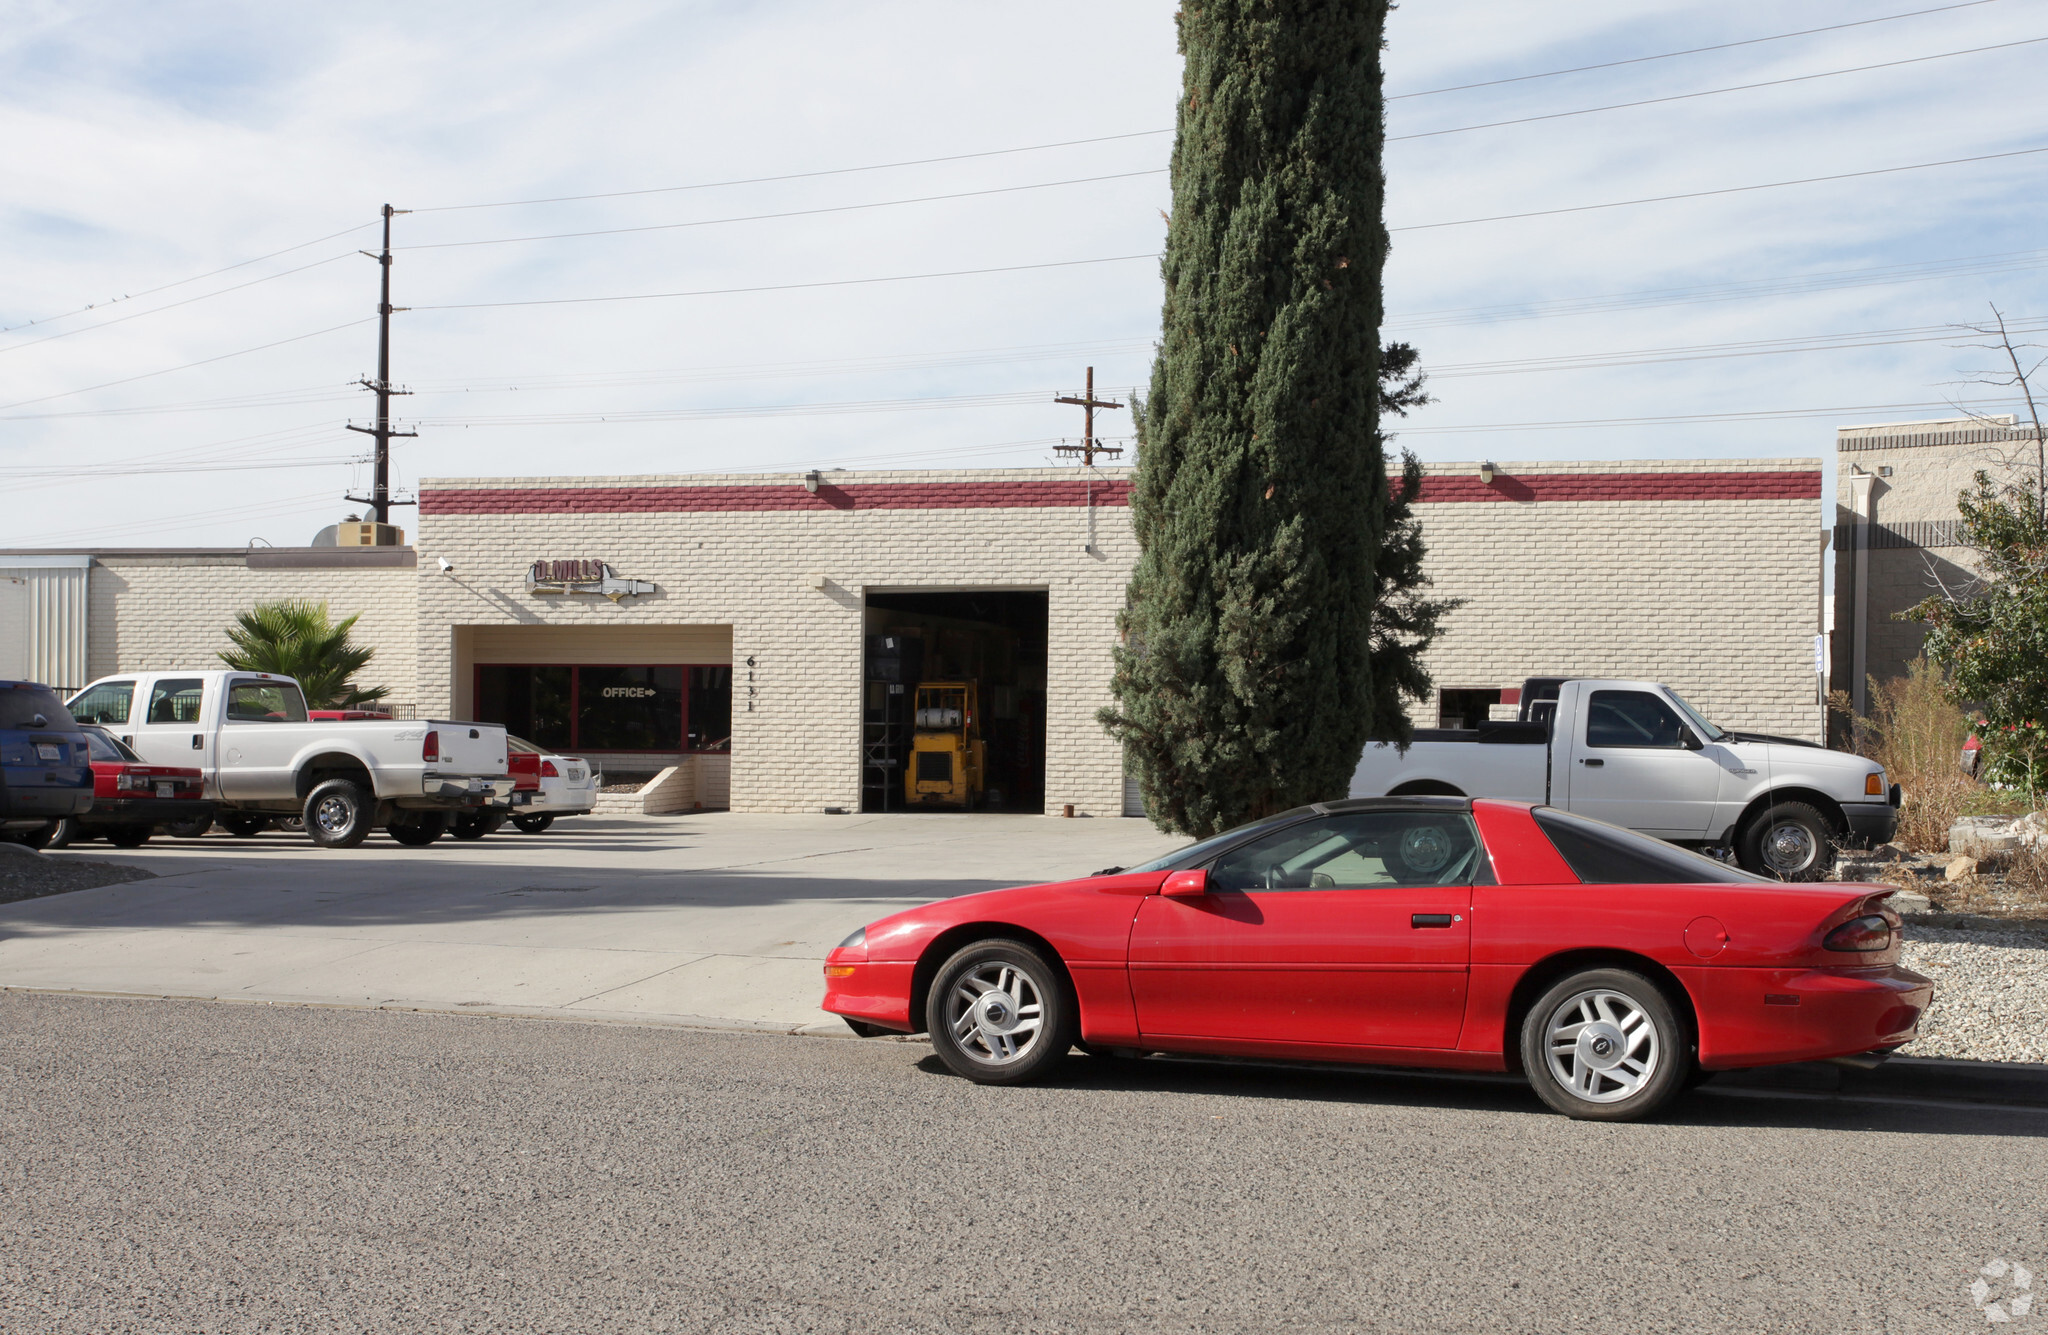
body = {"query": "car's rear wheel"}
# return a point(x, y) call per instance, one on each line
point(189, 828)
point(338, 814)
point(1790, 841)
point(48, 833)
point(1000, 1013)
point(128, 836)
point(476, 824)
point(533, 823)
point(421, 829)
point(242, 825)
point(1605, 1045)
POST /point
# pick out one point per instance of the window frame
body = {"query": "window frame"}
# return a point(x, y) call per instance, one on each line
point(156, 692)
point(575, 702)
point(111, 684)
point(1678, 739)
point(1478, 873)
point(227, 706)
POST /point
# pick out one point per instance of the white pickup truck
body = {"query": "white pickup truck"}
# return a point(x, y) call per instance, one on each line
point(1634, 753)
point(263, 758)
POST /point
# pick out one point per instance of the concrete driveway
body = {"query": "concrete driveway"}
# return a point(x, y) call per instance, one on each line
point(717, 918)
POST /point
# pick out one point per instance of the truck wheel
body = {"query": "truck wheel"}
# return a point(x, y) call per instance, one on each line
point(423, 828)
point(1790, 841)
point(243, 825)
point(190, 828)
point(338, 814)
point(534, 823)
point(476, 824)
point(128, 836)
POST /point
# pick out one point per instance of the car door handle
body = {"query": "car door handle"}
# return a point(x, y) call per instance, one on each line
point(1592, 761)
point(198, 741)
point(1429, 920)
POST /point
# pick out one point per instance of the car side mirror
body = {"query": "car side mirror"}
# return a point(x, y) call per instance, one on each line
point(1185, 884)
point(1689, 739)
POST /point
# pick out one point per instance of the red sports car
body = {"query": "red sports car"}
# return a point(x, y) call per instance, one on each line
point(1611, 968)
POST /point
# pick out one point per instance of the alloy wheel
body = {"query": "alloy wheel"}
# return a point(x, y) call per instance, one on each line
point(996, 1013)
point(1602, 1046)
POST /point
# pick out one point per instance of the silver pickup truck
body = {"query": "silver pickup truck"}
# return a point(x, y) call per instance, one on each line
point(263, 758)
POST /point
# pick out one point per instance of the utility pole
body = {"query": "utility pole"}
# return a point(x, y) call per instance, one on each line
point(379, 500)
point(1088, 449)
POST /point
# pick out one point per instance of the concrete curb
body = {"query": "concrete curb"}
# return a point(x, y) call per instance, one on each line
point(1947, 1079)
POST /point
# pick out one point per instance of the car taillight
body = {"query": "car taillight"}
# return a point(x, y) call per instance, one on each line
point(430, 749)
point(548, 770)
point(1869, 932)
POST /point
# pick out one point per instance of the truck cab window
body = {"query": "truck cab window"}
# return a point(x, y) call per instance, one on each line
point(106, 703)
point(175, 700)
point(1631, 718)
point(265, 702)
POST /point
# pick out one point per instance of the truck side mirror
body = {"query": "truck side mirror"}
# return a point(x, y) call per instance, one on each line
point(1689, 739)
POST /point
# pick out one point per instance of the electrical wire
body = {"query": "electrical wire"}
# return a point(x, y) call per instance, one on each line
point(211, 273)
point(795, 213)
point(1759, 415)
point(171, 306)
point(204, 361)
point(1712, 92)
point(1873, 338)
point(1725, 190)
point(1690, 51)
point(250, 511)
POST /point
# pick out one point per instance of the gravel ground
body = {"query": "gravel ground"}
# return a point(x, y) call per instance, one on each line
point(1990, 993)
point(27, 874)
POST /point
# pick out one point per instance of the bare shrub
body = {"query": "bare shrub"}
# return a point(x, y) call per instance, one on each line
point(1916, 731)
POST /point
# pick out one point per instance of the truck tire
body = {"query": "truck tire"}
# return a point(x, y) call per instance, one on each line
point(1790, 841)
point(533, 823)
point(243, 824)
point(419, 829)
point(190, 828)
point(476, 824)
point(338, 814)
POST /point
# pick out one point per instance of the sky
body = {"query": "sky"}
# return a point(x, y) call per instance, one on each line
point(185, 309)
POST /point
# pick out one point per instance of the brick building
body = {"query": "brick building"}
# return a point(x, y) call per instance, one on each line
point(739, 644)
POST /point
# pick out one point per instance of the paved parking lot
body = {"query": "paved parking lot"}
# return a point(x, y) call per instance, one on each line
point(700, 918)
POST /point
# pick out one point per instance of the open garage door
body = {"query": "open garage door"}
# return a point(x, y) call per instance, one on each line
point(975, 736)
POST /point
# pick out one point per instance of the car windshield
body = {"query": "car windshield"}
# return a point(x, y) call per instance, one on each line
point(104, 746)
point(1195, 854)
point(1707, 731)
point(19, 706)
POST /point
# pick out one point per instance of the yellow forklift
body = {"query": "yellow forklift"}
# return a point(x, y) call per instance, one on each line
point(946, 766)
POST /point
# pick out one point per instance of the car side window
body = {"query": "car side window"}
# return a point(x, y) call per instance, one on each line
point(1358, 851)
point(265, 702)
point(1631, 718)
point(107, 703)
point(175, 700)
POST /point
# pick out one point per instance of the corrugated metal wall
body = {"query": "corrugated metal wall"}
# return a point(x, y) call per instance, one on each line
point(43, 619)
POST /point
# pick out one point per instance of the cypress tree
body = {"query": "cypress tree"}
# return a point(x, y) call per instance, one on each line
point(1274, 618)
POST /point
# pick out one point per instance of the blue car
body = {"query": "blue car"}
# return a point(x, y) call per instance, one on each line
point(45, 763)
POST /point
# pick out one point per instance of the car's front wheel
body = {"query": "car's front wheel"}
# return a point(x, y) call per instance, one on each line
point(1605, 1045)
point(533, 823)
point(1000, 1013)
point(337, 814)
point(242, 825)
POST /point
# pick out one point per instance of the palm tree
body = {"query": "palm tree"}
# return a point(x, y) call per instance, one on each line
point(294, 639)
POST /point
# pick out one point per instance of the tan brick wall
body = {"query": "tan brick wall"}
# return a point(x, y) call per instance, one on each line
point(798, 650)
point(1718, 599)
point(169, 611)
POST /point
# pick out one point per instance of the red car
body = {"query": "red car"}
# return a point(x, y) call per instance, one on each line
point(1612, 969)
point(130, 798)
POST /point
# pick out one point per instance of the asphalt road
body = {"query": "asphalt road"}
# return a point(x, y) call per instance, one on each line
point(195, 1166)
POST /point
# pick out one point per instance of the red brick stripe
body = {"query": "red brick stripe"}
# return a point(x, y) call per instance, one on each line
point(1751, 486)
point(782, 496)
point(1044, 494)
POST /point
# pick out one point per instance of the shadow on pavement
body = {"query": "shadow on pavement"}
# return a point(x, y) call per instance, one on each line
point(1380, 1086)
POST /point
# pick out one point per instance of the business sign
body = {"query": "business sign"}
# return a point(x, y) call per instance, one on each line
point(564, 577)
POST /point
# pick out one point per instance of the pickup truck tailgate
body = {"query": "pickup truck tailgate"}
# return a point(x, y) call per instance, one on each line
point(467, 749)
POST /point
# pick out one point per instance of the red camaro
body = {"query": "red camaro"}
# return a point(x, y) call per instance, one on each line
point(1612, 968)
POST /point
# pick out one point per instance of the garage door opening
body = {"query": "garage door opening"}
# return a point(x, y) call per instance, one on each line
point(974, 736)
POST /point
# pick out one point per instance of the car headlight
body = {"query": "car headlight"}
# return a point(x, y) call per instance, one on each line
point(859, 938)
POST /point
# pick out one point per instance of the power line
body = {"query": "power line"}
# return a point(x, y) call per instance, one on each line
point(123, 319)
point(796, 213)
point(1725, 190)
point(1713, 92)
point(777, 287)
point(1872, 338)
point(204, 361)
point(1691, 51)
point(1760, 415)
point(211, 273)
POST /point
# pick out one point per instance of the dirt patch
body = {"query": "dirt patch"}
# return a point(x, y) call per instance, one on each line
point(34, 875)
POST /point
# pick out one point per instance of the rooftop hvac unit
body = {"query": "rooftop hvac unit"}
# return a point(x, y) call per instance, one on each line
point(368, 535)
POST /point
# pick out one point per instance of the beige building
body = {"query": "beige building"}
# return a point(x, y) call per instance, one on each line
point(748, 629)
point(1896, 540)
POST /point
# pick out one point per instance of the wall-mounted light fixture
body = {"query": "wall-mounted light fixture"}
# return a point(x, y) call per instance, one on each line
point(446, 564)
point(816, 579)
point(1486, 473)
point(811, 480)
